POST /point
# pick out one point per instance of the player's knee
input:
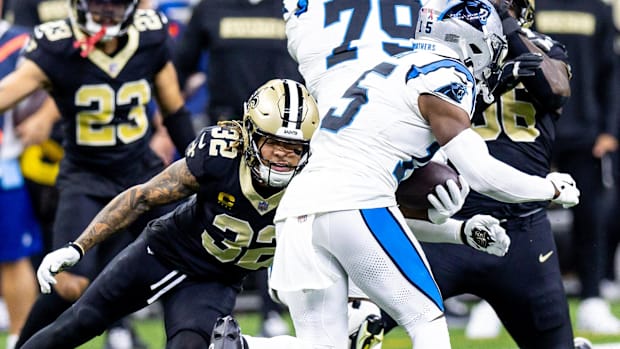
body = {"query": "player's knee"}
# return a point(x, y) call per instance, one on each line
point(187, 339)
point(70, 286)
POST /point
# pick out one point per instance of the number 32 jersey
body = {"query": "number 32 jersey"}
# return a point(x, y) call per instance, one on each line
point(226, 230)
point(334, 41)
point(105, 101)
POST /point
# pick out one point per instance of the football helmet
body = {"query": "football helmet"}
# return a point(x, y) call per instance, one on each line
point(284, 111)
point(471, 28)
point(523, 9)
point(113, 17)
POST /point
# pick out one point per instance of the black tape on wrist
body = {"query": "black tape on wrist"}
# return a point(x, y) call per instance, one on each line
point(77, 248)
point(463, 236)
point(180, 128)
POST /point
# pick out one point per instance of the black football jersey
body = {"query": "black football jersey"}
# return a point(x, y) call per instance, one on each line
point(105, 101)
point(226, 230)
point(519, 131)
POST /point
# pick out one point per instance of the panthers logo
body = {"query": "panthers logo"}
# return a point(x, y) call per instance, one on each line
point(454, 91)
point(474, 12)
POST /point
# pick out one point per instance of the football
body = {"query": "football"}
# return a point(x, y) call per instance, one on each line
point(412, 192)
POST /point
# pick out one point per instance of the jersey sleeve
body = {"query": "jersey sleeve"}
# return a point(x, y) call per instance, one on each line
point(213, 153)
point(50, 41)
point(447, 79)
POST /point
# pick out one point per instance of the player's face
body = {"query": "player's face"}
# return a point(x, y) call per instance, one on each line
point(280, 156)
point(107, 13)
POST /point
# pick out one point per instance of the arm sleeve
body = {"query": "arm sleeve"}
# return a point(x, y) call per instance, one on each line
point(491, 177)
point(448, 232)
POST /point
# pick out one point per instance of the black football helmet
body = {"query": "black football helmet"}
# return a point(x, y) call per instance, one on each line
point(523, 9)
point(111, 16)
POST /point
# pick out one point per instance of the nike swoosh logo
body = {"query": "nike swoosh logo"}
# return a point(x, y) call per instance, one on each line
point(542, 258)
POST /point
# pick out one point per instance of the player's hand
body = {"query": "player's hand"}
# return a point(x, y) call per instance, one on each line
point(447, 202)
point(484, 233)
point(525, 64)
point(567, 193)
point(55, 262)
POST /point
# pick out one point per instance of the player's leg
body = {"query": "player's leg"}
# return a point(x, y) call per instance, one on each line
point(123, 287)
point(380, 254)
point(534, 311)
point(21, 238)
point(192, 307)
point(365, 322)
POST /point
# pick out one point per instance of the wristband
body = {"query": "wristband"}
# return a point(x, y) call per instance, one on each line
point(463, 236)
point(77, 247)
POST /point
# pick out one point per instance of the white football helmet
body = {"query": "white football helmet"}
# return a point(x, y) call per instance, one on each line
point(111, 16)
point(282, 110)
point(471, 28)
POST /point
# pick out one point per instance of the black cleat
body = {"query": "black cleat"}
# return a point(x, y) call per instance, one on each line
point(370, 333)
point(226, 334)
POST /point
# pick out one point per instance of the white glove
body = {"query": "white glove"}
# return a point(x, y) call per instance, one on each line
point(445, 204)
point(55, 262)
point(484, 233)
point(565, 184)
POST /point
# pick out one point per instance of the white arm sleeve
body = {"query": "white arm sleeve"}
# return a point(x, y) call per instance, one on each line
point(449, 232)
point(491, 177)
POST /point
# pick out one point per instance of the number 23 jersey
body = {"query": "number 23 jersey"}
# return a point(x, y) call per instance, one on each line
point(105, 101)
point(226, 230)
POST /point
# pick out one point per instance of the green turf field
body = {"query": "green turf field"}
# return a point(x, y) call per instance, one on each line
point(151, 331)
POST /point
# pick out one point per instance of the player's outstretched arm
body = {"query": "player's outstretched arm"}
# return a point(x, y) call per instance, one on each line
point(481, 232)
point(23, 81)
point(174, 183)
point(485, 174)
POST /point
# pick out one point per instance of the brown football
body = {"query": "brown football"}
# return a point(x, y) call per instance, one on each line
point(412, 192)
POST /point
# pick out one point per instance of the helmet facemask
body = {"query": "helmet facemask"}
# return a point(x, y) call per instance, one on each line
point(280, 113)
point(105, 18)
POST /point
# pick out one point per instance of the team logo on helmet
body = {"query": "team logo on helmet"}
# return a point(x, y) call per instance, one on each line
point(473, 12)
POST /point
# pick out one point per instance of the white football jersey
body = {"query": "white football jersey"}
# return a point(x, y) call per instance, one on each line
point(374, 135)
point(334, 41)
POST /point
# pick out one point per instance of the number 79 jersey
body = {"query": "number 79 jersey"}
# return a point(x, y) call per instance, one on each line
point(334, 41)
point(105, 100)
point(375, 135)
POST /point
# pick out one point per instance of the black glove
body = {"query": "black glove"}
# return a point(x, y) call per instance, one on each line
point(523, 65)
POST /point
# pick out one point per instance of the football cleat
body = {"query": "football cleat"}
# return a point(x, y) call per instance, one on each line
point(582, 343)
point(369, 335)
point(226, 334)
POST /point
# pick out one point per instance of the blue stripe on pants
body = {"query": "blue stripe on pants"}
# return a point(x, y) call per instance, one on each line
point(392, 238)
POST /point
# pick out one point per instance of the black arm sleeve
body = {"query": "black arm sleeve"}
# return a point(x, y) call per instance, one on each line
point(538, 86)
point(180, 128)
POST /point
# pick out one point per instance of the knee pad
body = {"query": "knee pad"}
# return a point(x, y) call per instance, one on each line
point(187, 339)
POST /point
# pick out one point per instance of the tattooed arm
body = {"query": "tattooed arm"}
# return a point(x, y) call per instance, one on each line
point(174, 183)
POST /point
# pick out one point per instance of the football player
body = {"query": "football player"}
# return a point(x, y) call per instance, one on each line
point(195, 258)
point(339, 217)
point(519, 129)
point(102, 66)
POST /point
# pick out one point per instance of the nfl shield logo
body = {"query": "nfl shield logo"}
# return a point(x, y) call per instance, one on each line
point(263, 206)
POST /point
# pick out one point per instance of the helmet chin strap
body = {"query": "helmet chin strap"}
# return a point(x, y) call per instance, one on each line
point(88, 42)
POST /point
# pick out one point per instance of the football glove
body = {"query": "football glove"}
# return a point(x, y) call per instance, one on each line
point(483, 233)
point(447, 202)
point(55, 262)
point(565, 184)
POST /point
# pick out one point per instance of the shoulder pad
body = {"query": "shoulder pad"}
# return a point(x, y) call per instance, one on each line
point(152, 25)
point(54, 36)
